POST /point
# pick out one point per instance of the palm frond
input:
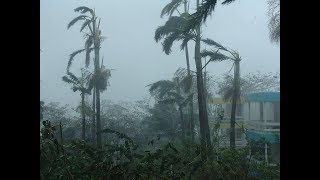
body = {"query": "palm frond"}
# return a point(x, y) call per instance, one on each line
point(160, 88)
point(73, 21)
point(211, 42)
point(170, 7)
point(186, 39)
point(67, 80)
point(99, 23)
point(173, 25)
point(75, 88)
point(214, 56)
point(227, 2)
point(72, 55)
point(204, 10)
point(168, 42)
point(83, 9)
point(85, 24)
point(73, 77)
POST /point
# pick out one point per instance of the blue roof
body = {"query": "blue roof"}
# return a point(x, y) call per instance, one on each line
point(263, 97)
point(270, 138)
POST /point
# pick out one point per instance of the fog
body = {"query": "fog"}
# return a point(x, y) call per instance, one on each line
point(130, 48)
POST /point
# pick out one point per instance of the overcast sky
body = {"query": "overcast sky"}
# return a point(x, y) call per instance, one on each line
point(130, 49)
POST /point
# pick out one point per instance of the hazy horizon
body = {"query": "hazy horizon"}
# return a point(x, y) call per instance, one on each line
point(130, 48)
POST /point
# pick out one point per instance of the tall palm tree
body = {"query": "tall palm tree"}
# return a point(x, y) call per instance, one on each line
point(169, 9)
point(93, 42)
point(81, 85)
point(234, 92)
point(174, 30)
point(173, 92)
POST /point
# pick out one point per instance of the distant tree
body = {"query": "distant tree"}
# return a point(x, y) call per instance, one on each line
point(173, 92)
point(162, 120)
point(124, 117)
point(250, 83)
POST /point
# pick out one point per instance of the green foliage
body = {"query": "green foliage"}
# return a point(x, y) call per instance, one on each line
point(72, 55)
point(211, 42)
point(173, 30)
point(203, 11)
point(124, 161)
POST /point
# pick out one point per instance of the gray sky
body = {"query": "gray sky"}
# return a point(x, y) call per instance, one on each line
point(130, 49)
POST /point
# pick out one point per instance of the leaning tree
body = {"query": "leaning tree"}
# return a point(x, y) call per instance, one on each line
point(234, 92)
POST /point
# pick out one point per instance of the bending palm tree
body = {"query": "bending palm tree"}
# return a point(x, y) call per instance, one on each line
point(174, 30)
point(93, 41)
point(234, 92)
point(80, 84)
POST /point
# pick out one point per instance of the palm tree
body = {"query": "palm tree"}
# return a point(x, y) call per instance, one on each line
point(174, 30)
point(173, 92)
point(80, 84)
point(93, 41)
point(169, 10)
point(234, 92)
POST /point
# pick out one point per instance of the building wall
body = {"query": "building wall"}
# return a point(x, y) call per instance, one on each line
point(268, 111)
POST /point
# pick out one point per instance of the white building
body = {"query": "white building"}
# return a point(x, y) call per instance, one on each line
point(259, 115)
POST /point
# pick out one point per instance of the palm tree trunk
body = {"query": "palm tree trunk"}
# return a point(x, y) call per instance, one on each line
point(83, 118)
point(93, 127)
point(183, 126)
point(61, 136)
point(234, 104)
point(99, 135)
point(191, 128)
point(203, 114)
point(96, 70)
